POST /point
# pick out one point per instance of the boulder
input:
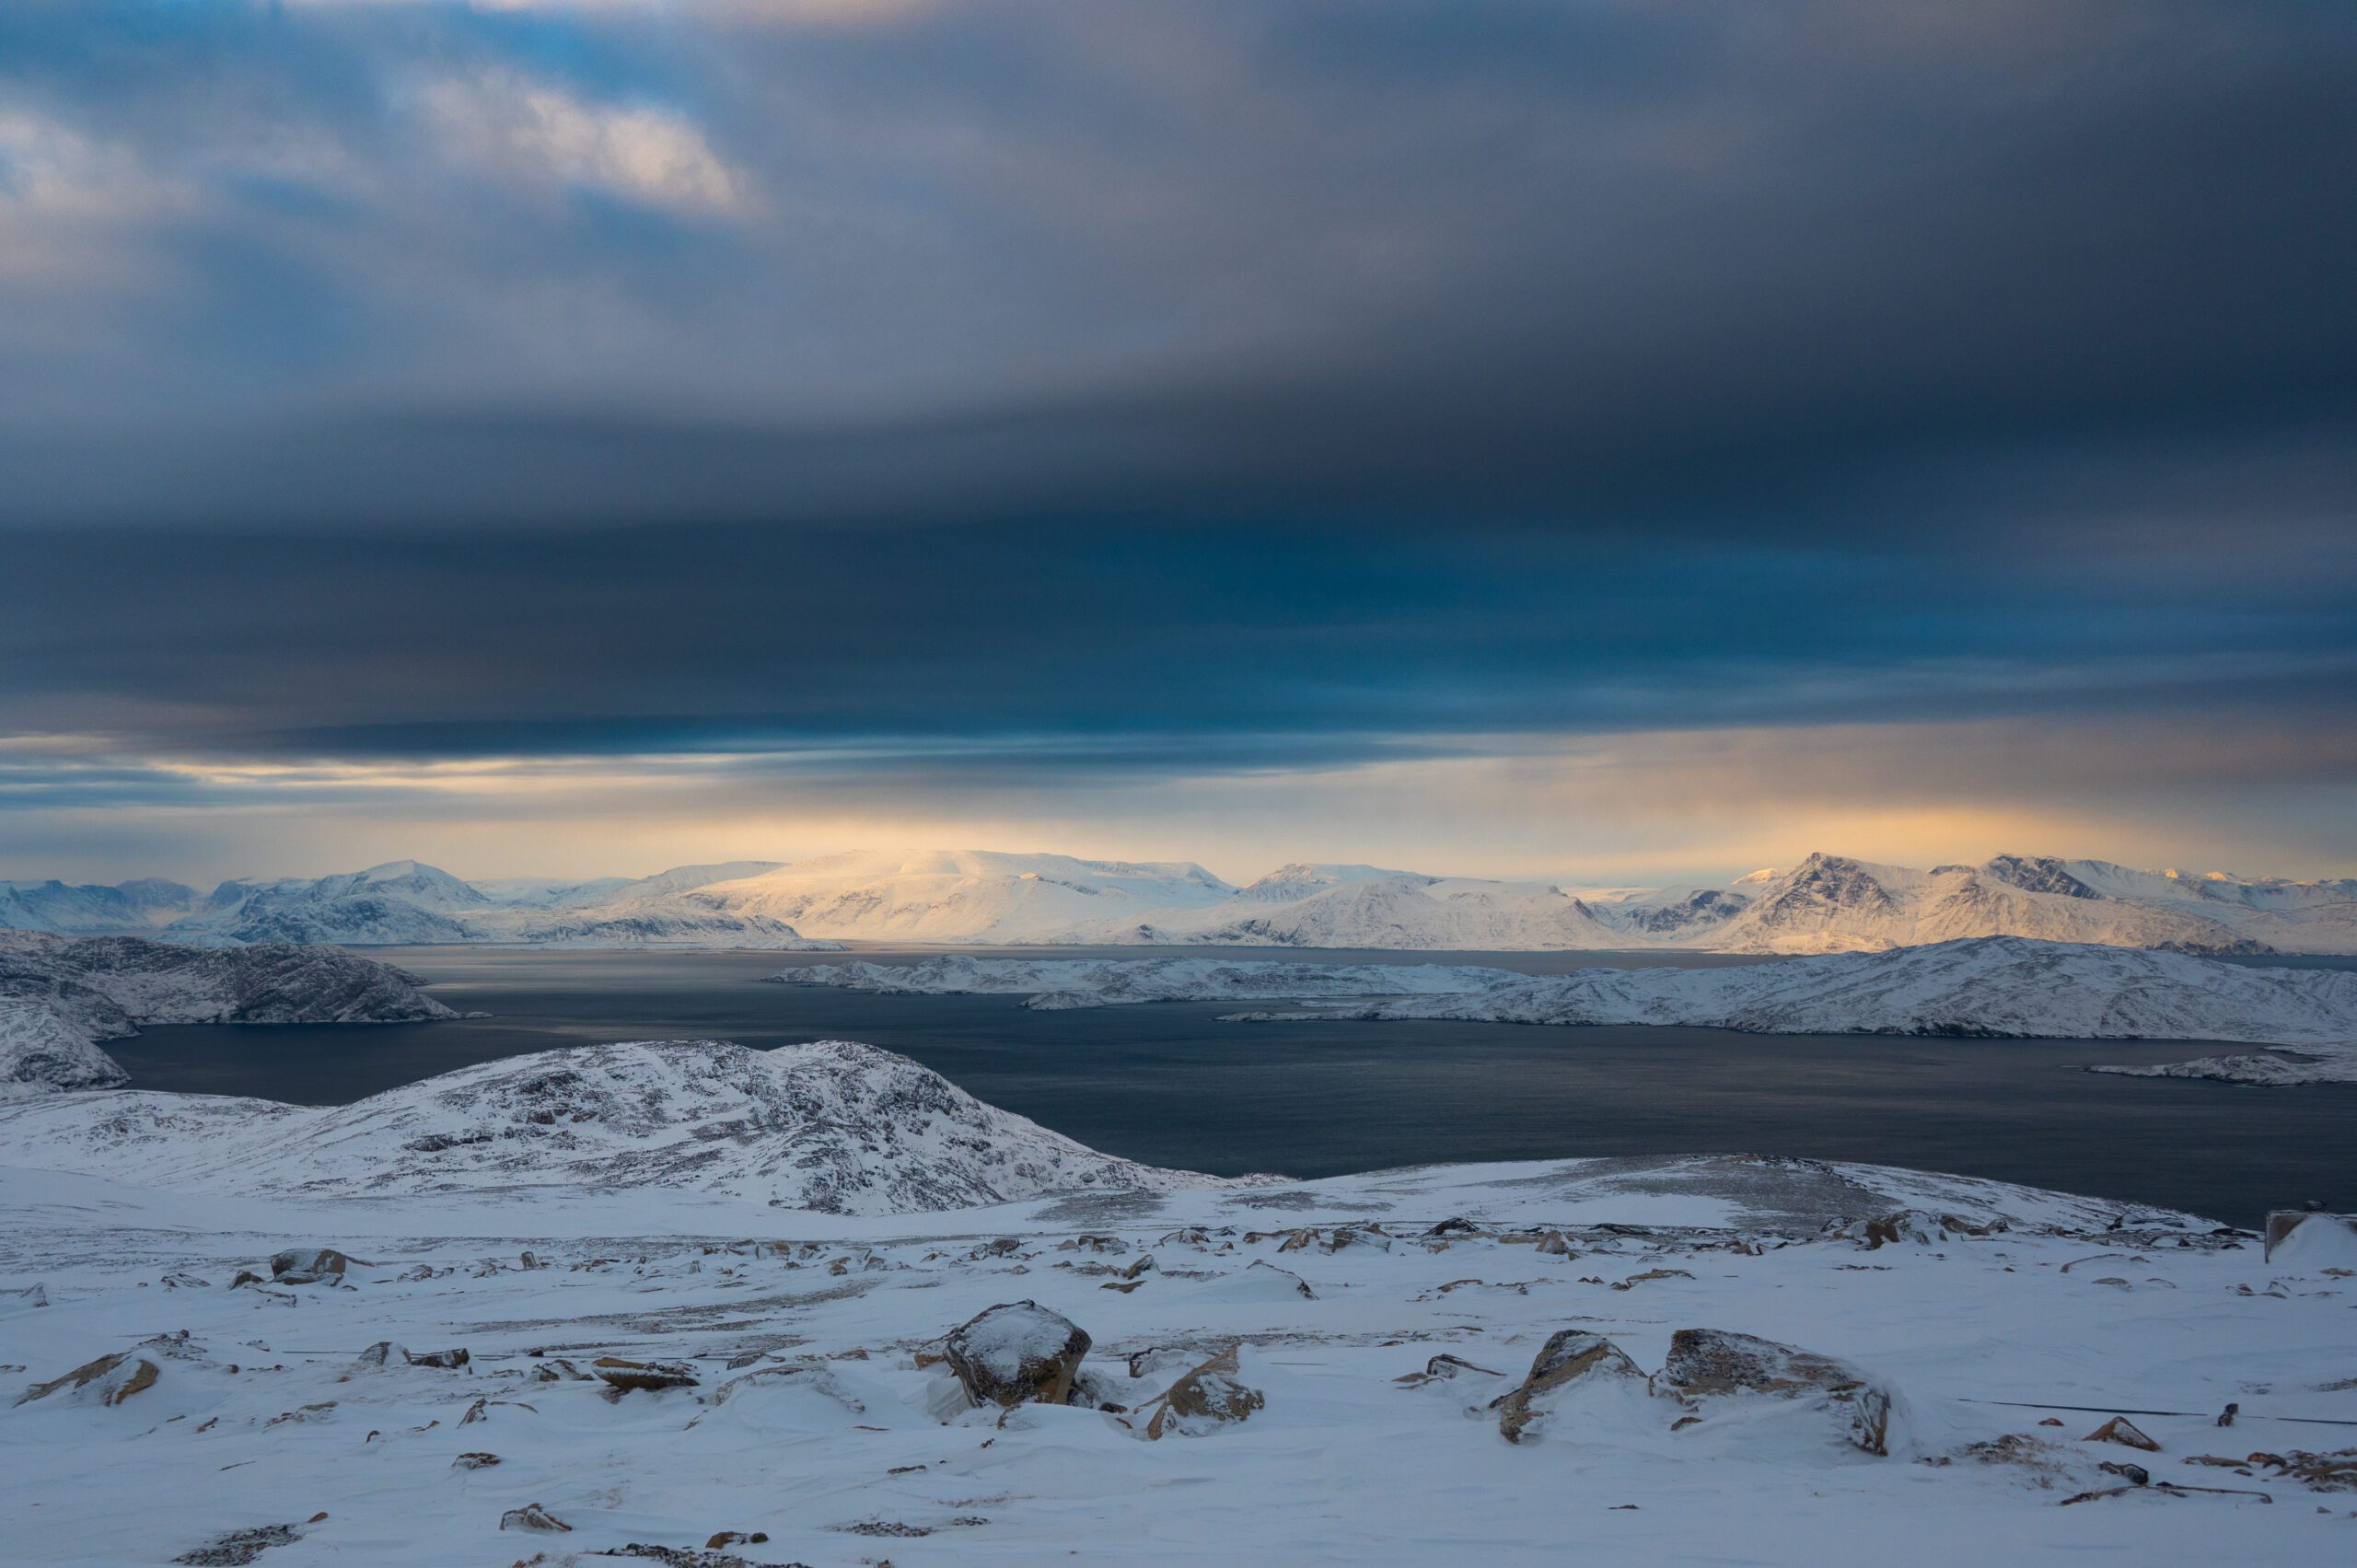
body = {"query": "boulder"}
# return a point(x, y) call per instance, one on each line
point(2312, 1238)
point(1707, 1363)
point(1017, 1352)
point(647, 1376)
point(532, 1516)
point(308, 1266)
point(1569, 1355)
point(111, 1379)
point(1442, 1369)
point(2122, 1431)
point(1211, 1396)
point(385, 1353)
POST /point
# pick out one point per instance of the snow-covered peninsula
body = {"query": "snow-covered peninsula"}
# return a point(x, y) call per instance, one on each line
point(60, 998)
point(2004, 987)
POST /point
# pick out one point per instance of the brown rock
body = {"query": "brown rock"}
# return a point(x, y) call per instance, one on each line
point(1568, 1356)
point(116, 1377)
point(2122, 1430)
point(532, 1516)
point(1210, 1395)
point(650, 1377)
point(1708, 1363)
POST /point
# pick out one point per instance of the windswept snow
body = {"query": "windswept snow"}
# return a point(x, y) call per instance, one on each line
point(1997, 986)
point(60, 997)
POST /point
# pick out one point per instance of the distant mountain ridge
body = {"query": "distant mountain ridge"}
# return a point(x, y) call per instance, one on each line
point(1825, 904)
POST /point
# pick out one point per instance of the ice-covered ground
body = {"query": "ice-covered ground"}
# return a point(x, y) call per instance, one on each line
point(1990, 986)
point(1325, 1362)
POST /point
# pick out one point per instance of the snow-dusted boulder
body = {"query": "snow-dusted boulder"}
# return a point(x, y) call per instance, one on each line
point(1708, 1364)
point(1569, 1357)
point(2312, 1240)
point(1017, 1352)
point(308, 1266)
point(1204, 1399)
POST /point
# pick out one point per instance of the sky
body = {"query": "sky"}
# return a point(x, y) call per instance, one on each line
point(1621, 442)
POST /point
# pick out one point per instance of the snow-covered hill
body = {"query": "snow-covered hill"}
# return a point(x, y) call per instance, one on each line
point(60, 997)
point(1998, 986)
point(832, 1126)
point(975, 896)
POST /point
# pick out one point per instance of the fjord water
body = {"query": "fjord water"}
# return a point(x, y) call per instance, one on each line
point(1171, 1084)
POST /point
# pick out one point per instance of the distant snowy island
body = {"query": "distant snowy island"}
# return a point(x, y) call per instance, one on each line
point(2003, 987)
point(684, 1302)
point(1827, 903)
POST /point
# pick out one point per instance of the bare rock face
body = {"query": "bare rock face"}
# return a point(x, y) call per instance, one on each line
point(1211, 1396)
point(111, 1379)
point(1569, 1357)
point(1706, 1364)
point(1017, 1352)
point(308, 1266)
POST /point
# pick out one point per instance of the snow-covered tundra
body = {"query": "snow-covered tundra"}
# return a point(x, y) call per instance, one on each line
point(689, 1303)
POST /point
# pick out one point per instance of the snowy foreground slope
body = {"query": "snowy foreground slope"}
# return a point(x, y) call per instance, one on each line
point(1997, 986)
point(1695, 1361)
point(60, 997)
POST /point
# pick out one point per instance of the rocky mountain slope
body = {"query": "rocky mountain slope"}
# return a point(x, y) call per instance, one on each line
point(1998, 986)
point(832, 1126)
point(60, 997)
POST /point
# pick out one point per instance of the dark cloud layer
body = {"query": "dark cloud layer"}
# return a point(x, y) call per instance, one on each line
point(1019, 390)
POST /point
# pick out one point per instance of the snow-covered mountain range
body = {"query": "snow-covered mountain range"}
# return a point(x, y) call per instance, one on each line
point(59, 997)
point(1826, 904)
point(1992, 986)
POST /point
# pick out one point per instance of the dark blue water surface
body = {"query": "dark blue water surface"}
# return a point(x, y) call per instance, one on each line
point(1171, 1084)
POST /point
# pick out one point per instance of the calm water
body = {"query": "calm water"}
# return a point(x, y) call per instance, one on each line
point(1171, 1084)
